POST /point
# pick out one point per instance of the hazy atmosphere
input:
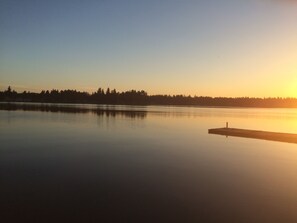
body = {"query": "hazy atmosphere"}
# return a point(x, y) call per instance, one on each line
point(214, 48)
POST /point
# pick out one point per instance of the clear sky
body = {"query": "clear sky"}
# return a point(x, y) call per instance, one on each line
point(209, 47)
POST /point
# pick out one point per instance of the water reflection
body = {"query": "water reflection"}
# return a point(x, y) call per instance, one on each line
point(63, 108)
point(163, 167)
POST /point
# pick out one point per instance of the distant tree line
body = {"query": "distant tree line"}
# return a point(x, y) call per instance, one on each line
point(134, 97)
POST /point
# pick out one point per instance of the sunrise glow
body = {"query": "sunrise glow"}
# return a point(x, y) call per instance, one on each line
point(230, 48)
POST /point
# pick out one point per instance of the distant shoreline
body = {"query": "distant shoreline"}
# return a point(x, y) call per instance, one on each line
point(58, 104)
point(141, 98)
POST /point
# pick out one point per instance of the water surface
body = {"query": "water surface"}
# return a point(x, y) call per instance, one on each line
point(145, 164)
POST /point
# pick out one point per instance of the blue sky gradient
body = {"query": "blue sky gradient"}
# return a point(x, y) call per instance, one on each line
point(217, 48)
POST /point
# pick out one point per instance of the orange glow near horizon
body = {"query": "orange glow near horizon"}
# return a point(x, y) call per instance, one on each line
point(246, 50)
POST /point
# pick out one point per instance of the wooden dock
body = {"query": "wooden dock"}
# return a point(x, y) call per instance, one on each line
point(253, 134)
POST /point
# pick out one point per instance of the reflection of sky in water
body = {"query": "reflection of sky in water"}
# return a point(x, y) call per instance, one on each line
point(164, 162)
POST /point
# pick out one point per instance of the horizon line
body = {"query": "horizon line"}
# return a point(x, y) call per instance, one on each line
point(123, 91)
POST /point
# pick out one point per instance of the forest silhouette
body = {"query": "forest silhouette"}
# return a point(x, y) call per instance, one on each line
point(134, 97)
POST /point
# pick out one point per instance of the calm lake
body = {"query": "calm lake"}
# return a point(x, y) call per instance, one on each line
point(145, 164)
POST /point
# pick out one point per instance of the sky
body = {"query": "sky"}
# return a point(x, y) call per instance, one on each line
point(212, 48)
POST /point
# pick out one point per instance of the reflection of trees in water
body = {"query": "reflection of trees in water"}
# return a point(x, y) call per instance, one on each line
point(114, 113)
point(72, 109)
